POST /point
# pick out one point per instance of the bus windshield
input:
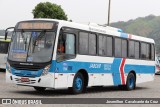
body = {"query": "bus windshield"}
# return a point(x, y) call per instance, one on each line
point(32, 46)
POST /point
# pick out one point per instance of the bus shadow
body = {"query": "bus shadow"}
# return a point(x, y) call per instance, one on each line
point(2, 70)
point(65, 92)
point(110, 89)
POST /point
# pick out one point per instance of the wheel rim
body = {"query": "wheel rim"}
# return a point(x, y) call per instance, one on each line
point(131, 82)
point(78, 83)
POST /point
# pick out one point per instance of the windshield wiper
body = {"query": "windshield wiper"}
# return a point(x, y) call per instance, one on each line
point(41, 35)
point(24, 40)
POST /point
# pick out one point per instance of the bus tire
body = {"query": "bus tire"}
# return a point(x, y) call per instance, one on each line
point(78, 84)
point(131, 82)
point(40, 89)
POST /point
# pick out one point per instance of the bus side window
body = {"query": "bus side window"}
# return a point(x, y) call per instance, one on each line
point(61, 47)
point(153, 53)
point(70, 44)
point(66, 46)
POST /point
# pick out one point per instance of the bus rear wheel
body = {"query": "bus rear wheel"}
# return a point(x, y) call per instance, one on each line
point(78, 84)
point(131, 82)
point(40, 89)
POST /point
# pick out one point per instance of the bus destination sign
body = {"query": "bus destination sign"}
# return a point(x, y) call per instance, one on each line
point(35, 25)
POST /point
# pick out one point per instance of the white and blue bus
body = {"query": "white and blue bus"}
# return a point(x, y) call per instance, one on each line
point(48, 53)
point(4, 44)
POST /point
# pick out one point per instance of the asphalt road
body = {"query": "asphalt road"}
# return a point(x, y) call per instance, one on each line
point(144, 90)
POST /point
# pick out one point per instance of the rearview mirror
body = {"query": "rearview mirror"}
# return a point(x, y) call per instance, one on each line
point(7, 31)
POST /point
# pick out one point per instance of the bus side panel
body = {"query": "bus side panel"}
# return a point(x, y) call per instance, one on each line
point(103, 73)
point(141, 78)
point(99, 73)
point(70, 79)
point(61, 80)
point(102, 79)
point(144, 69)
point(64, 74)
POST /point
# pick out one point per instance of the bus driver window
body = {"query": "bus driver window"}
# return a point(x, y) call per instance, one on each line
point(66, 46)
point(61, 45)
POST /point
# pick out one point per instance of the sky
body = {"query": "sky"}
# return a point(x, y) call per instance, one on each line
point(82, 11)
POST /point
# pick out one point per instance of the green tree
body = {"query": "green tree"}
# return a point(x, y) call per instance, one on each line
point(49, 10)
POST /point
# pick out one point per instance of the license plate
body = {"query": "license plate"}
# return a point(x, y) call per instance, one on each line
point(25, 80)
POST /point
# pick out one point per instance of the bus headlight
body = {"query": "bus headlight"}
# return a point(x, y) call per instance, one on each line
point(46, 69)
point(8, 67)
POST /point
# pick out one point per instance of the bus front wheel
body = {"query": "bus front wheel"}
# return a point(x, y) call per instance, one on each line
point(131, 82)
point(78, 84)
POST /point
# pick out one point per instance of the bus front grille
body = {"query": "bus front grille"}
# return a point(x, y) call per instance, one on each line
point(26, 67)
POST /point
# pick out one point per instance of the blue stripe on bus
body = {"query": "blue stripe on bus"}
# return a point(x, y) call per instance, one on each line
point(124, 35)
point(90, 67)
point(115, 70)
point(145, 69)
point(72, 67)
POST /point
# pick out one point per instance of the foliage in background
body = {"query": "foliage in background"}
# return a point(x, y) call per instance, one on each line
point(49, 10)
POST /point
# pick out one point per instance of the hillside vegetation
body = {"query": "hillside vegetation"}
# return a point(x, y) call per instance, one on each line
point(148, 26)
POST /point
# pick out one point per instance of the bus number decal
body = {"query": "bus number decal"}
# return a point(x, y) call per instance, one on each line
point(95, 66)
point(107, 67)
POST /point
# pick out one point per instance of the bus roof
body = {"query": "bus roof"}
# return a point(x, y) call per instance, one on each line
point(98, 29)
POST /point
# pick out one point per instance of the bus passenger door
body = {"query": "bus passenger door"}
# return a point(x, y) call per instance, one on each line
point(65, 52)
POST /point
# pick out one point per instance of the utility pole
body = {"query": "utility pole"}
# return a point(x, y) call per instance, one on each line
point(109, 6)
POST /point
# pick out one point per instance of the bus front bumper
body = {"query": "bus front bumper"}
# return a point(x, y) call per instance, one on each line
point(42, 81)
